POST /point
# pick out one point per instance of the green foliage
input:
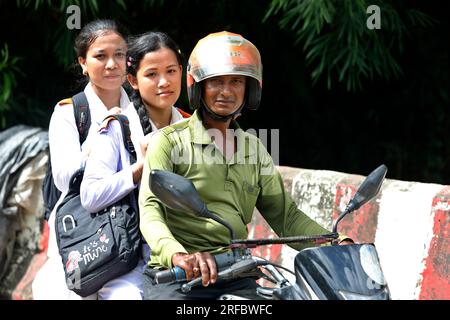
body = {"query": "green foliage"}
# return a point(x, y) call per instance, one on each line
point(62, 38)
point(8, 71)
point(402, 122)
point(337, 42)
point(61, 5)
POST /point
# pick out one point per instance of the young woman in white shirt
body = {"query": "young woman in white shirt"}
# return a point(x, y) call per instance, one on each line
point(101, 50)
point(154, 66)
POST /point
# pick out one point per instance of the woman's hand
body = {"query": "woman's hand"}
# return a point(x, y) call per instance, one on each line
point(346, 242)
point(136, 169)
point(114, 110)
point(144, 143)
point(196, 264)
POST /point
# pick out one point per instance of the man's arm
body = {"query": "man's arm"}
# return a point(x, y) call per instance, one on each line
point(152, 212)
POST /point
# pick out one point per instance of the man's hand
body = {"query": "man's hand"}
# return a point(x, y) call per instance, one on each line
point(196, 264)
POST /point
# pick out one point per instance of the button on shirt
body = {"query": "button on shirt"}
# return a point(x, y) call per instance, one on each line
point(230, 188)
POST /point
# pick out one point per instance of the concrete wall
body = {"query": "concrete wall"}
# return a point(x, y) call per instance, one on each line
point(25, 236)
point(409, 223)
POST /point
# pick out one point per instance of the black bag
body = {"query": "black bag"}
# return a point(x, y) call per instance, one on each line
point(50, 193)
point(98, 247)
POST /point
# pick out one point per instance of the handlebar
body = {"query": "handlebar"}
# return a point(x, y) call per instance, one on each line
point(317, 239)
point(237, 270)
point(231, 266)
point(177, 274)
point(245, 267)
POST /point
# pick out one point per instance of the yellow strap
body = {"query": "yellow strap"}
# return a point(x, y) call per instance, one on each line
point(65, 101)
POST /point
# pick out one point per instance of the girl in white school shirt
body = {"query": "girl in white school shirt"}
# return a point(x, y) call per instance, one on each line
point(154, 66)
point(101, 50)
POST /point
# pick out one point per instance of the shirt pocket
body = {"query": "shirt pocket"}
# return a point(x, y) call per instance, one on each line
point(249, 195)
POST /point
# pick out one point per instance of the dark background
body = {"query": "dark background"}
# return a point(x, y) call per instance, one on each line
point(402, 122)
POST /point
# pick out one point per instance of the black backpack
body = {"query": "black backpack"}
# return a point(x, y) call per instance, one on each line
point(50, 193)
point(98, 247)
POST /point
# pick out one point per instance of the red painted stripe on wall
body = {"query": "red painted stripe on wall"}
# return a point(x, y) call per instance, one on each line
point(263, 230)
point(43, 242)
point(360, 225)
point(436, 275)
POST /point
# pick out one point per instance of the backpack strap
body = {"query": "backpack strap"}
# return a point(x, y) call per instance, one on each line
point(126, 133)
point(183, 113)
point(82, 115)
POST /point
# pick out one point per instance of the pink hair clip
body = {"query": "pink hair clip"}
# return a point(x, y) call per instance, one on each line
point(130, 59)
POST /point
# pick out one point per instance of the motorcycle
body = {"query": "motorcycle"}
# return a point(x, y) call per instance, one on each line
point(334, 272)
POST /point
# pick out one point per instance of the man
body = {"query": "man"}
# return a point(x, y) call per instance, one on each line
point(231, 170)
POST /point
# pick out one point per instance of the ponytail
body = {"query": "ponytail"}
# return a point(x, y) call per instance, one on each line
point(141, 111)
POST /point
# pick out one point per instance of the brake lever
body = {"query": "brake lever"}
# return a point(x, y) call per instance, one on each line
point(193, 283)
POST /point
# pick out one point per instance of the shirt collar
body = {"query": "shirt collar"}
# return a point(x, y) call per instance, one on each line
point(96, 106)
point(176, 116)
point(199, 135)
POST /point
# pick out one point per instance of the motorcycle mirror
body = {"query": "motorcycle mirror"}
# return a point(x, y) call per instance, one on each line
point(368, 189)
point(177, 192)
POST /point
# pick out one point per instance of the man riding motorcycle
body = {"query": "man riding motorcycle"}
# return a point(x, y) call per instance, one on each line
point(231, 169)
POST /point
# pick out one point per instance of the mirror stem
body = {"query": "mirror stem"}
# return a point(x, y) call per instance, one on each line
point(342, 215)
point(228, 226)
point(223, 222)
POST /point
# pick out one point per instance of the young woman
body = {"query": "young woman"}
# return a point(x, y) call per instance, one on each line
point(155, 69)
point(101, 50)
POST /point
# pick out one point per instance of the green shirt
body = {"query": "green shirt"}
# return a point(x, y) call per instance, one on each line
point(231, 189)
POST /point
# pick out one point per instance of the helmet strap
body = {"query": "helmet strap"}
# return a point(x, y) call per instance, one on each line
point(219, 117)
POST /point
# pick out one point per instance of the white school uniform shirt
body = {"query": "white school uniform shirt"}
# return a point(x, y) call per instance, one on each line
point(66, 154)
point(108, 176)
point(176, 117)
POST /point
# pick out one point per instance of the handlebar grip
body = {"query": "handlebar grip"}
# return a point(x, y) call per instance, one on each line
point(176, 274)
point(172, 275)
